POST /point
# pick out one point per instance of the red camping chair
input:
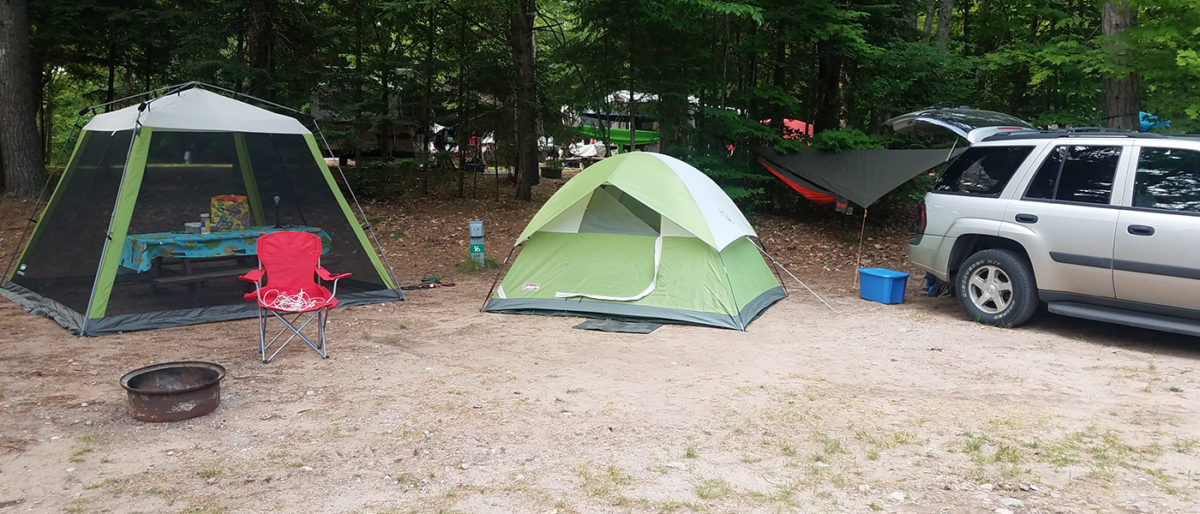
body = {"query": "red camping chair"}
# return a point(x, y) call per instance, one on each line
point(289, 260)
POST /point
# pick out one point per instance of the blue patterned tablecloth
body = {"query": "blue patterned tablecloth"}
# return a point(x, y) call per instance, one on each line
point(139, 250)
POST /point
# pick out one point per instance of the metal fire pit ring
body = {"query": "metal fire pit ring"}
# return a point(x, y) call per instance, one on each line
point(173, 391)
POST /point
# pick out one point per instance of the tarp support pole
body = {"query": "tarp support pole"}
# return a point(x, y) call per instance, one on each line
point(247, 167)
point(858, 260)
point(118, 225)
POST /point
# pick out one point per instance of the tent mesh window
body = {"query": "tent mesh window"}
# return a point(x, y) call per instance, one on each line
point(284, 166)
point(62, 263)
point(185, 170)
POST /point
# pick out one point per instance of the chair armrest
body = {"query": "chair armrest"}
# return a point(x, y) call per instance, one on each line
point(252, 276)
point(325, 275)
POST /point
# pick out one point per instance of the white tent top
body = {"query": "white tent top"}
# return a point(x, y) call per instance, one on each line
point(197, 110)
point(671, 187)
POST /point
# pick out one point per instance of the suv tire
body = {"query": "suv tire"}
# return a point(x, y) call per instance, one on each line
point(996, 287)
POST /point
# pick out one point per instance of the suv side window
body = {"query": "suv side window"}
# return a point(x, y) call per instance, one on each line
point(1168, 179)
point(1076, 173)
point(982, 170)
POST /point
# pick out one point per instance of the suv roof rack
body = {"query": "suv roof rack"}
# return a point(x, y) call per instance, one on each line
point(1078, 132)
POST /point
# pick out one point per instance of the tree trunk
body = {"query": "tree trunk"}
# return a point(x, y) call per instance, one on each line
point(359, 77)
point(828, 92)
point(112, 78)
point(1121, 88)
point(20, 147)
point(427, 104)
point(262, 47)
point(943, 23)
point(523, 58)
point(462, 134)
point(966, 18)
point(930, 13)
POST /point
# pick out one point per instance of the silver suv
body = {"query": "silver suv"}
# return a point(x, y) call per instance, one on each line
point(1099, 225)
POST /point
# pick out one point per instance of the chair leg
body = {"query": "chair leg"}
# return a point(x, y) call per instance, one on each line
point(262, 335)
point(296, 331)
point(323, 314)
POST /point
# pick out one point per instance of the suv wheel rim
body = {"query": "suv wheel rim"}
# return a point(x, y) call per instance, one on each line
point(990, 289)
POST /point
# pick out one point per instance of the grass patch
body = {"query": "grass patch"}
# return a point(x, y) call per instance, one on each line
point(602, 484)
point(470, 266)
point(83, 446)
point(829, 445)
point(787, 450)
point(784, 497)
point(98, 485)
point(210, 472)
point(1184, 445)
point(674, 506)
point(690, 453)
point(713, 488)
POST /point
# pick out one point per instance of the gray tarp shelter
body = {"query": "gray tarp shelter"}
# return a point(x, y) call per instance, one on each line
point(861, 176)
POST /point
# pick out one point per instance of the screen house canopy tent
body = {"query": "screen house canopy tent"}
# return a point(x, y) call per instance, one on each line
point(112, 251)
point(640, 236)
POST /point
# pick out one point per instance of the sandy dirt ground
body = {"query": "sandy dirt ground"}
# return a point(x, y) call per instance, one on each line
point(432, 406)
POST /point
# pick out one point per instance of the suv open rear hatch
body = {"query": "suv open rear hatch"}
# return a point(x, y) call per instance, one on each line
point(960, 121)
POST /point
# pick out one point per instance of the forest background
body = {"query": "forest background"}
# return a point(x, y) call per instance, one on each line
point(717, 68)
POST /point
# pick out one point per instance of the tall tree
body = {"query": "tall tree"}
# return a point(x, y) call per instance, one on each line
point(943, 22)
point(522, 42)
point(20, 147)
point(1120, 84)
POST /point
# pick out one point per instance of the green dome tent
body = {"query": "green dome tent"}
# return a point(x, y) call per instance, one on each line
point(640, 236)
point(111, 251)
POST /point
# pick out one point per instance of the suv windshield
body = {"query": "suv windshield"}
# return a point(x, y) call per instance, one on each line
point(982, 170)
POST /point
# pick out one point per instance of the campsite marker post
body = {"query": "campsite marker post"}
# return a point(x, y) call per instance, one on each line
point(477, 242)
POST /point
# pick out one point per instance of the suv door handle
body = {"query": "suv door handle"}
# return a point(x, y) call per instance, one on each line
point(1027, 218)
point(1141, 230)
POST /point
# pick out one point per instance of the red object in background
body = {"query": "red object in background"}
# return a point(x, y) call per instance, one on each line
point(811, 195)
point(474, 141)
point(793, 129)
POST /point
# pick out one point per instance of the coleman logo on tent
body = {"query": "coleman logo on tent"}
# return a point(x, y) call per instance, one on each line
point(530, 287)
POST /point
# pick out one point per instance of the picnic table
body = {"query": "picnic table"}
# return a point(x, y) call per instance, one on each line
point(141, 251)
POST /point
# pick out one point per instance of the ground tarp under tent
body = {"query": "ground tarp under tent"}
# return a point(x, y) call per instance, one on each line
point(640, 236)
point(113, 250)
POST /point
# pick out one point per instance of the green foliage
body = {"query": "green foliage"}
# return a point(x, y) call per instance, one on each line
point(377, 72)
point(844, 139)
point(739, 176)
point(382, 180)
